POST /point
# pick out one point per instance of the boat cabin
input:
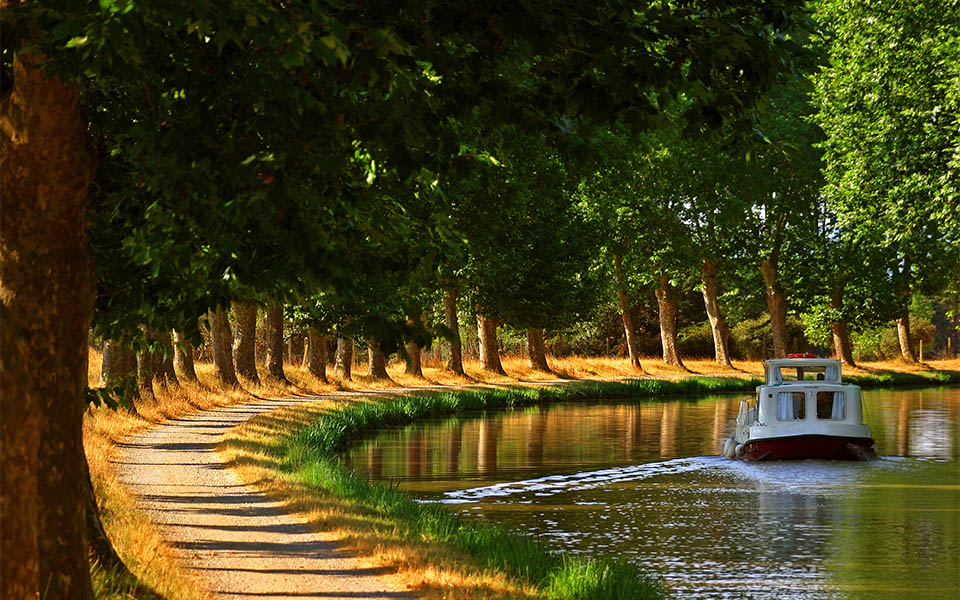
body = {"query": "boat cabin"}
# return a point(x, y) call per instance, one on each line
point(799, 389)
point(803, 410)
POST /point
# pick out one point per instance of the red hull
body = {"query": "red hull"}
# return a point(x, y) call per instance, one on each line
point(810, 446)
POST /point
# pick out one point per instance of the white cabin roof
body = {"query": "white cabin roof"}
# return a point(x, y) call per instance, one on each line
point(802, 362)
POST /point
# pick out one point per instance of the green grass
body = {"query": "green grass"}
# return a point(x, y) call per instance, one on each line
point(894, 379)
point(311, 455)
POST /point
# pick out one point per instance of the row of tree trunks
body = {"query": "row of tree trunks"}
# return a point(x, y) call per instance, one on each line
point(669, 311)
point(489, 347)
point(718, 325)
point(47, 306)
point(452, 321)
point(245, 341)
point(629, 330)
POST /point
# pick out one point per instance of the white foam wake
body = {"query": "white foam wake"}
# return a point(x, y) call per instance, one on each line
point(553, 484)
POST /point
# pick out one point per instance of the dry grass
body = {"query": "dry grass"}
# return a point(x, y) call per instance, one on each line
point(253, 448)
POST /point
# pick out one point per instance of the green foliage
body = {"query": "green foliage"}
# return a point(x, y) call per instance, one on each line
point(888, 103)
point(696, 340)
point(751, 338)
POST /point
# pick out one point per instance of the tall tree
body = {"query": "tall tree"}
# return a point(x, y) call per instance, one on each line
point(889, 105)
point(45, 268)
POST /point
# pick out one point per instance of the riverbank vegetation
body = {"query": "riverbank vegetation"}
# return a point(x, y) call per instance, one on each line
point(262, 187)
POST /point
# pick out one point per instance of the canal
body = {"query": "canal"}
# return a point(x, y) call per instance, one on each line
point(644, 481)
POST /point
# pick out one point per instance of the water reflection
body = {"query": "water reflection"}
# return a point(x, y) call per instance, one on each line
point(642, 481)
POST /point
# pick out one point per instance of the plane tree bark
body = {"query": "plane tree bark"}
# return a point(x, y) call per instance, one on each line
point(629, 330)
point(47, 306)
point(274, 342)
point(119, 368)
point(839, 329)
point(377, 360)
point(183, 356)
point(669, 310)
point(536, 350)
point(343, 362)
point(163, 356)
point(222, 342)
point(414, 360)
point(718, 325)
point(489, 346)
point(903, 319)
point(315, 356)
point(244, 340)
point(452, 321)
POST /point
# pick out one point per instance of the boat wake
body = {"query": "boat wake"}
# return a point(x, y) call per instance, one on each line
point(554, 484)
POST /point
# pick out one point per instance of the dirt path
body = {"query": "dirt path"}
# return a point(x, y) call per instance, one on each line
point(241, 543)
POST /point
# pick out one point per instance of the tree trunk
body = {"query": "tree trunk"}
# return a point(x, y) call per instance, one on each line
point(777, 305)
point(536, 350)
point(222, 342)
point(414, 360)
point(628, 329)
point(245, 341)
point(721, 331)
point(903, 321)
point(47, 305)
point(343, 362)
point(163, 359)
point(489, 346)
point(119, 368)
point(903, 335)
point(146, 373)
point(183, 357)
point(452, 321)
point(841, 333)
point(377, 360)
point(274, 342)
point(316, 355)
point(669, 310)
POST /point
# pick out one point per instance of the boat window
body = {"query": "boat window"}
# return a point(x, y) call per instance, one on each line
point(790, 406)
point(831, 405)
point(806, 374)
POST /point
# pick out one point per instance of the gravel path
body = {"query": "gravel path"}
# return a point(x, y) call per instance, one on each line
point(242, 544)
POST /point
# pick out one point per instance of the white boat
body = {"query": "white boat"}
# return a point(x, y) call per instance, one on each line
point(803, 410)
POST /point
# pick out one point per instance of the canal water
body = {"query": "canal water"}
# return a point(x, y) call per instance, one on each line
point(644, 481)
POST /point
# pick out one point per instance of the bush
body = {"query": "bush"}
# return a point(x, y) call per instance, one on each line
point(752, 339)
point(696, 340)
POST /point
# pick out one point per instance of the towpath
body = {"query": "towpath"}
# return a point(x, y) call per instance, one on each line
point(243, 544)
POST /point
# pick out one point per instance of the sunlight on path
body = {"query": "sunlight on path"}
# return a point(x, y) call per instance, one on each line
point(242, 544)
